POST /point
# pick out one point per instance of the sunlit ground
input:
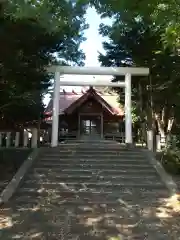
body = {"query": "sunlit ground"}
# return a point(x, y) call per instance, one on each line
point(96, 221)
point(45, 209)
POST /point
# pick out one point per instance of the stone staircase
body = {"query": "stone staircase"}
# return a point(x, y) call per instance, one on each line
point(90, 191)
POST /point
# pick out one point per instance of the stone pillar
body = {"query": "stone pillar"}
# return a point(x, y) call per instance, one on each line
point(25, 138)
point(8, 139)
point(158, 143)
point(17, 137)
point(150, 140)
point(34, 139)
point(55, 116)
point(128, 116)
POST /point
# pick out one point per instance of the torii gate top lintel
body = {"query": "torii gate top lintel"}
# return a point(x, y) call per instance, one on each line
point(118, 71)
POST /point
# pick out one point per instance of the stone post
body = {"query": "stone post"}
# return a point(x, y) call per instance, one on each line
point(8, 139)
point(17, 137)
point(150, 140)
point(34, 139)
point(158, 143)
point(25, 138)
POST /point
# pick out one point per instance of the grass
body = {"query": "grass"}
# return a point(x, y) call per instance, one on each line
point(170, 161)
point(10, 161)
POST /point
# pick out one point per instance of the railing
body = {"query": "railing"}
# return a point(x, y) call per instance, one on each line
point(119, 137)
point(30, 139)
point(18, 139)
point(68, 136)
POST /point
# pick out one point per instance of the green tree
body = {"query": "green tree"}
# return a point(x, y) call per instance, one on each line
point(28, 46)
point(139, 44)
point(164, 14)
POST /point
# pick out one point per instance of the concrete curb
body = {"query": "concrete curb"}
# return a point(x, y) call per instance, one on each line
point(166, 178)
point(18, 177)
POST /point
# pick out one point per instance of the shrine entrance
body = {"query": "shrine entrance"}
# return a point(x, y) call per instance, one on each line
point(90, 125)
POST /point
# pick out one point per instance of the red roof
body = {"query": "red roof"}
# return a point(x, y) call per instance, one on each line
point(66, 99)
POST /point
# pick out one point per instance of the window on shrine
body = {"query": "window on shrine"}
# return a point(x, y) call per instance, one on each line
point(88, 125)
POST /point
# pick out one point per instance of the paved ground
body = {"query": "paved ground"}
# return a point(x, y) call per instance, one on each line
point(90, 197)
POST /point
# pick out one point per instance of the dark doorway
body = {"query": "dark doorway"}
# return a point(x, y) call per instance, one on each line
point(90, 125)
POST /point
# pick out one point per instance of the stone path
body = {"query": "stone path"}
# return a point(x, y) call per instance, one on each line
point(90, 193)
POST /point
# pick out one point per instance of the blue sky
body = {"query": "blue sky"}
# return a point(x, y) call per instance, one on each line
point(91, 47)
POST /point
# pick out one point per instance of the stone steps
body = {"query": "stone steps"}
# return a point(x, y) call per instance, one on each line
point(128, 193)
point(89, 146)
point(68, 197)
point(95, 159)
point(111, 172)
point(105, 170)
point(86, 187)
point(106, 203)
point(93, 186)
point(92, 180)
point(94, 163)
point(83, 176)
point(75, 198)
point(91, 156)
point(95, 150)
point(106, 158)
point(84, 207)
point(47, 167)
point(93, 153)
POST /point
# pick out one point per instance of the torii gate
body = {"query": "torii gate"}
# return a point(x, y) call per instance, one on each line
point(117, 71)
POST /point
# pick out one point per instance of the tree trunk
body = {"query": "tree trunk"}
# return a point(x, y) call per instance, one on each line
point(161, 126)
point(142, 114)
point(150, 113)
point(165, 120)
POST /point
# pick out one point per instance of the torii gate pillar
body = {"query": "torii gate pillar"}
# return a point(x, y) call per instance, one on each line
point(128, 114)
point(55, 115)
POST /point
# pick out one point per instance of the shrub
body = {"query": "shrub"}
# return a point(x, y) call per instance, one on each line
point(171, 161)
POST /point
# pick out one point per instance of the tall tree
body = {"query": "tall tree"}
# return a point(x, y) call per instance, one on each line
point(164, 14)
point(28, 44)
point(139, 44)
